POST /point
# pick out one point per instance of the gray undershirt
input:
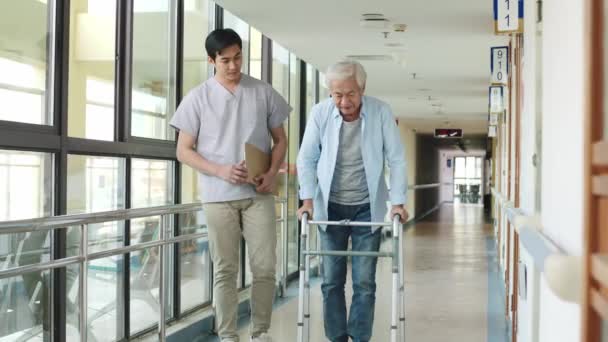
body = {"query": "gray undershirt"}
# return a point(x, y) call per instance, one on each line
point(349, 185)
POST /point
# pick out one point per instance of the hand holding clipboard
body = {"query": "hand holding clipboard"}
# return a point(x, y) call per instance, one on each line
point(258, 164)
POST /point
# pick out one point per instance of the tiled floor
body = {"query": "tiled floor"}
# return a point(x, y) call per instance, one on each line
point(449, 268)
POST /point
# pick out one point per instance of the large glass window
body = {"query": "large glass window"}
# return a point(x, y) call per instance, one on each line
point(196, 27)
point(280, 82)
point(311, 100)
point(294, 144)
point(255, 54)
point(323, 89)
point(153, 97)
point(310, 88)
point(26, 183)
point(98, 184)
point(24, 307)
point(280, 69)
point(242, 28)
point(151, 185)
point(24, 61)
point(195, 260)
point(91, 69)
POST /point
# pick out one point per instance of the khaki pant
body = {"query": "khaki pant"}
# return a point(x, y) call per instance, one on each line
point(255, 220)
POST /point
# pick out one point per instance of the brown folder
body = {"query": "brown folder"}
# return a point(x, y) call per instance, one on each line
point(257, 161)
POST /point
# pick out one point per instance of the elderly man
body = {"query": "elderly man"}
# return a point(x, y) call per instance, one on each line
point(341, 174)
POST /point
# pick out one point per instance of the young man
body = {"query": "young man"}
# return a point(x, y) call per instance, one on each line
point(341, 174)
point(215, 120)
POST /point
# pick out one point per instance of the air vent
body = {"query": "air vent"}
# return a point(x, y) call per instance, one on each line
point(375, 21)
point(373, 17)
point(370, 57)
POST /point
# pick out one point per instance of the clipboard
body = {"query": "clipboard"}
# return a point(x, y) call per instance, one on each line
point(257, 161)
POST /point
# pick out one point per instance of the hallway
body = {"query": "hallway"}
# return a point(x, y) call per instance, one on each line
point(451, 285)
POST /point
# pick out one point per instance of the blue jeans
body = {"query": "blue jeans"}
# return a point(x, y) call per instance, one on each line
point(361, 319)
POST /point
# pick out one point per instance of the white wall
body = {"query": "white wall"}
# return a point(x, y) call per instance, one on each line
point(563, 72)
point(563, 104)
point(527, 306)
point(528, 116)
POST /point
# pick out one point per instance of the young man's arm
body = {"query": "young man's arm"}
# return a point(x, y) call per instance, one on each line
point(267, 181)
point(235, 174)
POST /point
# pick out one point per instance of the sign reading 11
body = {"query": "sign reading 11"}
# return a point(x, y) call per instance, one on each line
point(508, 16)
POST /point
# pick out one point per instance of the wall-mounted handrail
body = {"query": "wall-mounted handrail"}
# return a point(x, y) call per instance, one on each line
point(561, 271)
point(424, 186)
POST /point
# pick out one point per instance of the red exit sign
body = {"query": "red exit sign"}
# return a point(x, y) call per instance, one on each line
point(448, 133)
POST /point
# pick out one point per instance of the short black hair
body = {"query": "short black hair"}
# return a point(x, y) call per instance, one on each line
point(220, 39)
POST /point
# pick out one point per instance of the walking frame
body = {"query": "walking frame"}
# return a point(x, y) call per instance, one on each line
point(397, 332)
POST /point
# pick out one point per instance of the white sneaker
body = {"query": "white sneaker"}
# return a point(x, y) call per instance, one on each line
point(262, 338)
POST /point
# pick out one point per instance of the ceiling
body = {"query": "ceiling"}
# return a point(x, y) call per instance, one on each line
point(446, 44)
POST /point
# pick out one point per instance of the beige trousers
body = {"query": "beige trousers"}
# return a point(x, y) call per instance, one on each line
point(255, 220)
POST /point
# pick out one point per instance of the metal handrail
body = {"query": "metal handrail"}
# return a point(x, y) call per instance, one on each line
point(424, 186)
point(83, 221)
point(64, 221)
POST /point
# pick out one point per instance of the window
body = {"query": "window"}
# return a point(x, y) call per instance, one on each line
point(280, 69)
point(151, 185)
point(323, 89)
point(91, 69)
point(242, 28)
point(26, 185)
point(468, 174)
point(310, 89)
point(255, 54)
point(26, 191)
point(98, 184)
point(280, 82)
point(292, 153)
point(23, 62)
point(153, 97)
point(196, 26)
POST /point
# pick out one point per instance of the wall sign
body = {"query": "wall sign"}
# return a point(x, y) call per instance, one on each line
point(492, 131)
point(497, 103)
point(448, 133)
point(499, 64)
point(493, 119)
point(508, 16)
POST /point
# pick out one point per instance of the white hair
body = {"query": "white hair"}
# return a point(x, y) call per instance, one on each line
point(344, 70)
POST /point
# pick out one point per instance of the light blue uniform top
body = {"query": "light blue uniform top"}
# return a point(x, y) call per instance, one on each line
point(222, 122)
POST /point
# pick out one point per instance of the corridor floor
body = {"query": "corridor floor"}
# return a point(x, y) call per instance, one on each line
point(452, 286)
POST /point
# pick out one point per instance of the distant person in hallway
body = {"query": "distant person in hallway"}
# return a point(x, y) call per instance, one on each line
point(215, 120)
point(341, 162)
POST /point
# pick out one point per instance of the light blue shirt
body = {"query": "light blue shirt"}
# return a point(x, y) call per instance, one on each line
point(380, 141)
